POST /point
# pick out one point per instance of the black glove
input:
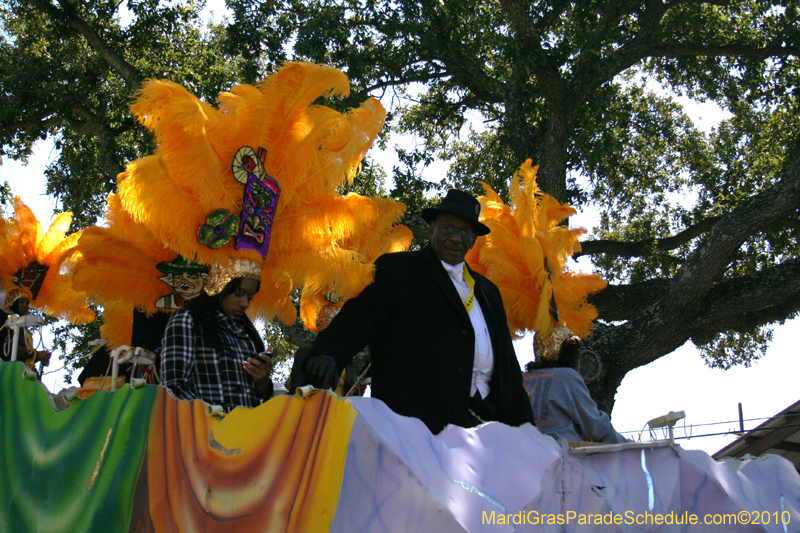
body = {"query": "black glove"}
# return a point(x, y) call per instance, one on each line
point(321, 371)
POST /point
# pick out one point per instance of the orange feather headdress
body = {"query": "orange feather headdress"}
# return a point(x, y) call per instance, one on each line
point(525, 256)
point(189, 198)
point(29, 259)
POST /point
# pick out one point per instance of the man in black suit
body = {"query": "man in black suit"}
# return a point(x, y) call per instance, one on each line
point(437, 331)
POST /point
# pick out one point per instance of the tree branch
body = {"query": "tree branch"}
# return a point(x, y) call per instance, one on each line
point(549, 18)
point(753, 300)
point(744, 303)
point(717, 249)
point(116, 61)
point(624, 302)
point(93, 125)
point(44, 124)
point(403, 80)
point(693, 298)
point(731, 50)
point(740, 304)
point(470, 74)
point(649, 246)
point(528, 36)
point(441, 47)
point(522, 25)
point(592, 70)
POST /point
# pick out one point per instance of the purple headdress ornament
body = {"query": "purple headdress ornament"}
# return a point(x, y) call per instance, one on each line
point(261, 193)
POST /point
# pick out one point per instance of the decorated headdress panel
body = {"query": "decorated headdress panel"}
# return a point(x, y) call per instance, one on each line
point(525, 256)
point(121, 266)
point(29, 259)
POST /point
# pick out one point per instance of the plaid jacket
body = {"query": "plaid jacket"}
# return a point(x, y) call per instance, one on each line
point(193, 370)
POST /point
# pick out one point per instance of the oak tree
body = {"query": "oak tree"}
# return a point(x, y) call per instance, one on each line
point(698, 232)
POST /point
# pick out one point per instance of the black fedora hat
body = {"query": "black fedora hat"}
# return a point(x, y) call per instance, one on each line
point(458, 203)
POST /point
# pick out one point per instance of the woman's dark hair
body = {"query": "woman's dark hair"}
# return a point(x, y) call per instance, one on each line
point(569, 356)
point(533, 366)
point(15, 306)
point(570, 353)
point(203, 309)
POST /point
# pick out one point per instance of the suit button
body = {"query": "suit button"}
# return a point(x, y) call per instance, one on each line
point(465, 332)
point(461, 371)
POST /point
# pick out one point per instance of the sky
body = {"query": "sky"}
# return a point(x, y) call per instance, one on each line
point(679, 381)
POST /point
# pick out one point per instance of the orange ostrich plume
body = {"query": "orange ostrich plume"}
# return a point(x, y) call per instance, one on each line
point(370, 235)
point(29, 259)
point(116, 266)
point(525, 242)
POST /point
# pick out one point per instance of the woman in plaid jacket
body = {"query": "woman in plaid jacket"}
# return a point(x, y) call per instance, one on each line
point(211, 350)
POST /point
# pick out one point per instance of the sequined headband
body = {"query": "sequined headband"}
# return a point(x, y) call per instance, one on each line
point(220, 275)
point(15, 294)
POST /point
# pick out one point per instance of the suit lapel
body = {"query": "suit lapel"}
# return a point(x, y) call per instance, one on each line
point(442, 279)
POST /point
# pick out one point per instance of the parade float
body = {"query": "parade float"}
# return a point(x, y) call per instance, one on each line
point(138, 460)
point(256, 178)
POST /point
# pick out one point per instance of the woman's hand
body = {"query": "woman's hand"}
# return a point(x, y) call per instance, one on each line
point(259, 367)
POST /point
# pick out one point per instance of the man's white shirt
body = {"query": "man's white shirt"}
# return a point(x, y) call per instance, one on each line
point(483, 363)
